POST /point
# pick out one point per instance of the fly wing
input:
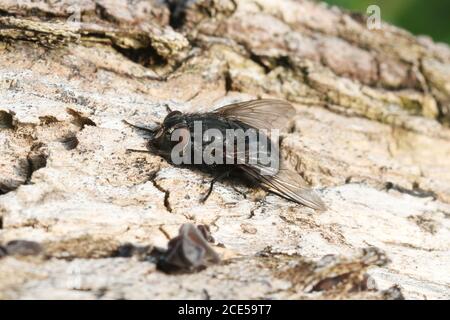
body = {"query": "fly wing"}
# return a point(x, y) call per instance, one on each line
point(260, 114)
point(285, 183)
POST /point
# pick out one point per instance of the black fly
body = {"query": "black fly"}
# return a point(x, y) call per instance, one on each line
point(259, 115)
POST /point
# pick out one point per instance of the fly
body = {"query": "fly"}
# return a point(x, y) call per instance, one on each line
point(261, 116)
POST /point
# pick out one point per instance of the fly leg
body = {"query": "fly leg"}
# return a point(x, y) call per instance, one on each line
point(213, 181)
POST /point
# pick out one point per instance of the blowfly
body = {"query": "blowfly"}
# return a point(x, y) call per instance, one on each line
point(187, 138)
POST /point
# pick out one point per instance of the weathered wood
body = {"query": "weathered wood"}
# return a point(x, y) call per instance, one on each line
point(371, 135)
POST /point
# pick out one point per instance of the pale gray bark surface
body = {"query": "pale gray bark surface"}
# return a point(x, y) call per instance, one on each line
point(371, 136)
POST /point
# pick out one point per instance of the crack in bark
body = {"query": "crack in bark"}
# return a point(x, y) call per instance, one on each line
point(177, 12)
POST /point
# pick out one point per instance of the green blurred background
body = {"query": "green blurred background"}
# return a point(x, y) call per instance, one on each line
point(430, 17)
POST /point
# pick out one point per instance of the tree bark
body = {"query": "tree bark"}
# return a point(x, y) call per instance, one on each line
point(371, 136)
